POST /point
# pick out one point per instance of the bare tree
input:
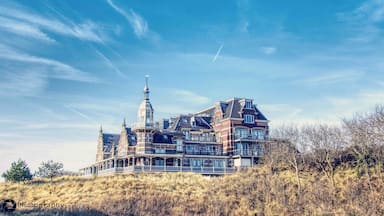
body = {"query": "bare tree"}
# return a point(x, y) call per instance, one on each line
point(289, 147)
point(326, 144)
point(366, 140)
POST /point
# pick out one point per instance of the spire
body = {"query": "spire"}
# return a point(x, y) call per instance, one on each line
point(146, 89)
point(124, 125)
point(101, 129)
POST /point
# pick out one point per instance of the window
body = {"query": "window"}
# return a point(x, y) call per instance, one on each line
point(261, 135)
point(204, 137)
point(249, 119)
point(241, 148)
point(179, 145)
point(186, 134)
point(196, 162)
point(258, 134)
point(248, 104)
point(159, 151)
point(218, 163)
point(241, 133)
point(218, 137)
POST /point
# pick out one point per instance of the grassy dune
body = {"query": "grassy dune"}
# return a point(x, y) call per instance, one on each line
point(254, 191)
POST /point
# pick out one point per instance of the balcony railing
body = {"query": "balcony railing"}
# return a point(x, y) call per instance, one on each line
point(146, 168)
point(250, 137)
point(257, 153)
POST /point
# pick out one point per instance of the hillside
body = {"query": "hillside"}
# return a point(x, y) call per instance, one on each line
point(254, 191)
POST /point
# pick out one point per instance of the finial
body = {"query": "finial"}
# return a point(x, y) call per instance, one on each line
point(146, 89)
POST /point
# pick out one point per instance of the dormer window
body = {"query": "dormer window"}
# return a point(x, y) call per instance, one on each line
point(248, 104)
point(249, 119)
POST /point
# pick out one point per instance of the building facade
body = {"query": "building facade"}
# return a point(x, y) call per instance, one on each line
point(223, 138)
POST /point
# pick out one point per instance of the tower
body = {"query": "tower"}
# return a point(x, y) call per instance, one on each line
point(144, 126)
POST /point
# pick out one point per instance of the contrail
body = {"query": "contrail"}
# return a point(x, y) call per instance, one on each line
point(79, 113)
point(110, 64)
point(217, 53)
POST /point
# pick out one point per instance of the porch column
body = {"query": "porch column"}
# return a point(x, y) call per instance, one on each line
point(165, 164)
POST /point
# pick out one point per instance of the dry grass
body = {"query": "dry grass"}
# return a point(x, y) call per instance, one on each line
point(255, 191)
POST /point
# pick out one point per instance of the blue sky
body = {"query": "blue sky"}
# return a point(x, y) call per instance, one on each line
point(68, 66)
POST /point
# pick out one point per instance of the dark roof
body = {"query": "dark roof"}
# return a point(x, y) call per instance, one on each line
point(192, 122)
point(165, 138)
point(109, 140)
point(233, 109)
point(260, 116)
point(131, 136)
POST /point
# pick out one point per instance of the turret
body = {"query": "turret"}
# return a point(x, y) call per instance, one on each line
point(145, 112)
point(144, 126)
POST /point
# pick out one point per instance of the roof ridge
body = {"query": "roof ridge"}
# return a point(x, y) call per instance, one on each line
point(233, 104)
point(206, 122)
point(177, 122)
point(201, 111)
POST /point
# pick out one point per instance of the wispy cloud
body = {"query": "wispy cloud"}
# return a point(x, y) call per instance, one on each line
point(283, 114)
point(166, 110)
point(26, 84)
point(268, 50)
point(57, 69)
point(334, 77)
point(217, 53)
point(281, 111)
point(189, 97)
point(361, 101)
point(28, 75)
point(17, 20)
point(23, 29)
point(365, 21)
point(373, 10)
point(95, 106)
point(138, 23)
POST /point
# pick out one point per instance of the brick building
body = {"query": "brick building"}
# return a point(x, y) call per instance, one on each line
point(220, 139)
